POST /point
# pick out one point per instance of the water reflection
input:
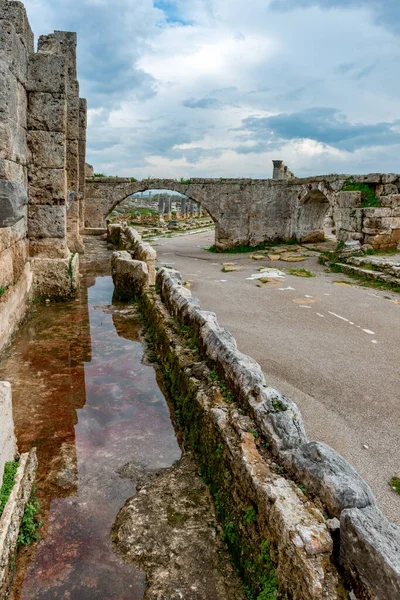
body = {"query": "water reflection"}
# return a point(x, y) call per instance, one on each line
point(84, 398)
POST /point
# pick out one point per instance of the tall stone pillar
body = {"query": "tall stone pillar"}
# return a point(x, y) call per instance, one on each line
point(183, 207)
point(82, 160)
point(278, 172)
point(64, 43)
point(55, 269)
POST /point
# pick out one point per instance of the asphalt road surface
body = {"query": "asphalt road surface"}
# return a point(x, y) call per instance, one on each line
point(332, 348)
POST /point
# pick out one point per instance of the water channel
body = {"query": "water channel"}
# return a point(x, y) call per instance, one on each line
point(84, 397)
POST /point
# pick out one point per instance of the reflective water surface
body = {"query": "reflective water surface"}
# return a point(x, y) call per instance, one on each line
point(85, 399)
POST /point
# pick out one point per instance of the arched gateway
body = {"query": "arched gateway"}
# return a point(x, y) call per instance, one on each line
point(248, 211)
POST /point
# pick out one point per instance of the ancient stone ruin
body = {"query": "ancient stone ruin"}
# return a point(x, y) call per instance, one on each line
point(254, 508)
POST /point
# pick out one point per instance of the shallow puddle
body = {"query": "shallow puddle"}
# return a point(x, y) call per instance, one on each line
point(84, 398)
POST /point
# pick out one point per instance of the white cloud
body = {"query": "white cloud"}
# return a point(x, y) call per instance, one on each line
point(168, 98)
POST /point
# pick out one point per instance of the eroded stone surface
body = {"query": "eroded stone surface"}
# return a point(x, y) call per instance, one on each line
point(169, 529)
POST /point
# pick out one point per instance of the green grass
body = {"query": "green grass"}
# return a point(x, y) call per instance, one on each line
point(301, 273)
point(250, 516)
point(10, 470)
point(367, 195)
point(395, 483)
point(99, 175)
point(4, 289)
point(241, 249)
point(30, 522)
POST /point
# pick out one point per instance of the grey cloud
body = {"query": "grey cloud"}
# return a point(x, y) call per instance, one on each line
point(326, 125)
point(204, 103)
point(387, 12)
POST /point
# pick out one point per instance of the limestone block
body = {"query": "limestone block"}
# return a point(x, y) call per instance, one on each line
point(8, 445)
point(73, 165)
point(49, 44)
point(13, 51)
point(19, 258)
point(16, 14)
point(47, 73)
point(89, 171)
point(73, 110)
point(390, 178)
point(349, 199)
point(130, 276)
point(377, 212)
point(13, 97)
point(13, 202)
point(114, 234)
point(12, 235)
point(386, 189)
point(47, 221)
point(68, 42)
point(82, 116)
point(391, 200)
point(327, 475)
point(370, 553)
point(47, 112)
point(13, 171)
point(47, 186)
point(13, 142)
point(55, 278)
point(6, 271)
point(49, 248)
point(47, 149)
point(280, 419)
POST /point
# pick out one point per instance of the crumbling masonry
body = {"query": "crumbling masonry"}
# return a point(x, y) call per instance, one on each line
point(42, 166)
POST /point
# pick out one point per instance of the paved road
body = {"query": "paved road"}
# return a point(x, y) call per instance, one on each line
point(334, 349)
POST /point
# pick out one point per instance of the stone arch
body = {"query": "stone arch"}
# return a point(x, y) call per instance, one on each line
point(314, 204)
point(104, 195)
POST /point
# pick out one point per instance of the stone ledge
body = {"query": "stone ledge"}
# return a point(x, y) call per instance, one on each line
point(11, 518)
point(129, 239)
point(299, 538)
point(323, 471)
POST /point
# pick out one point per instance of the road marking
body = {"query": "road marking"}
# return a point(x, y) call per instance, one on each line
point(338, 316)
point(288, 288)
point(374, 341)
point(369, 331)
point(319, 314)
point(303, 306)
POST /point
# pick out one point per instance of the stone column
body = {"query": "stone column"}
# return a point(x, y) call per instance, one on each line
point(161, 207)
point(191, 208)
point(278, 172)
point(82, 160)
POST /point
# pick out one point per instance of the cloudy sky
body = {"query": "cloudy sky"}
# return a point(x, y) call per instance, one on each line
point(219, 88)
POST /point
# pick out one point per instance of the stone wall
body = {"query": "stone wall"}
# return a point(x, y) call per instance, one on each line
point(259, 211)
point(127, 238)
point(367, 545)
point(42, 148)
point(8, 444)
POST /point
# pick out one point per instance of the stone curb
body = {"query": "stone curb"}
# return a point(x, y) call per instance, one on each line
point(323, 471)
point(11, 518)
point(127, 238)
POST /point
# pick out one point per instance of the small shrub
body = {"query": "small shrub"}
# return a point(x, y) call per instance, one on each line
point(10, 470)
point(250, 516)
point(367, 195)
point(99, 175)
point(395, 483)
point(301, 273)
point(30, 523)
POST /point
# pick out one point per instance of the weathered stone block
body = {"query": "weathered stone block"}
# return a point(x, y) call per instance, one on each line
point(391, 200)
point(73, 110)
point(47, 221)
point(6, 271)
point(327, 475)
point(13, 171)
point(349, 199)
point(73, 165)
point(49, 248)
point(15, 13)
point(370, 553)
point(55, 278)
point(13, 202)
point(386, 189)
point(13, 142)
point(12, 235)
point(47, 186)
point(13, 51)
point(47, 73)
point(130, 276)
point(47, 148)
point(8, 444)
point(47, 112)
point(19, 258)
point(13, 97)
